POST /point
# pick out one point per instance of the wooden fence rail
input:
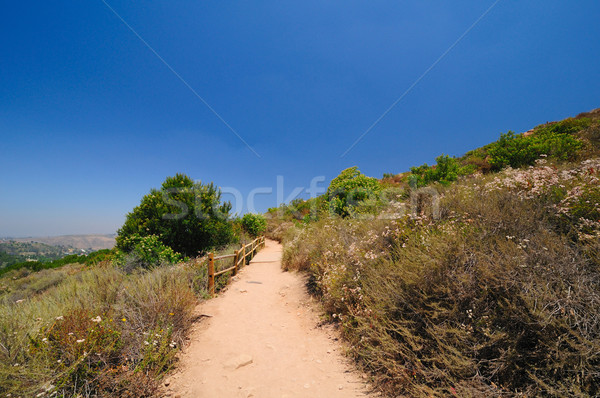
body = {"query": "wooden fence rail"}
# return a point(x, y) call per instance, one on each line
point(240, 258)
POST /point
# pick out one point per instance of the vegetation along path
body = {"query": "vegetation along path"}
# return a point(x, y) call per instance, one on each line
point(261, 338)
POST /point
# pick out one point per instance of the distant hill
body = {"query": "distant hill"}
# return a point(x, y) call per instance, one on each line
point(95, 242)
point(16, 252)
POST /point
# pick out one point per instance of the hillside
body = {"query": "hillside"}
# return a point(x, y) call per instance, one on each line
point(477, 276)
point(94, 242)
point(12, 252)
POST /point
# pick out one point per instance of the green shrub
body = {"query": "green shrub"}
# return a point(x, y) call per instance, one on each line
point(98, 256)
point(185, 215)
point(445, 171)
point(567, 126)
point(349, 189)
point(145, 252)
point(518, 150)
point(511, 150)
point(254, 224)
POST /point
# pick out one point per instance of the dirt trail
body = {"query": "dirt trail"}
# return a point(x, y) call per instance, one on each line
point(261, 340)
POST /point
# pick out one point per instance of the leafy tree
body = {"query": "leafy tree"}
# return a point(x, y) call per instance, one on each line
point(254, 224)
point(185, 215)
point(349, 189)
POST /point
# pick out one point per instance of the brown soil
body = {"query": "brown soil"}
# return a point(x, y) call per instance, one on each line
point(261, 338)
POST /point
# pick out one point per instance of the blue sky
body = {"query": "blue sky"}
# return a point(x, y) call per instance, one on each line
point(91, 118)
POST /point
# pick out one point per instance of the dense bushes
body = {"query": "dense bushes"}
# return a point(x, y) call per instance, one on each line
point(554, 140)
point(445, 171)
point(186, 216)
point(494, 298)
point(254, 224)
point(567, 126)
point(519, 150)
point(566, 140)
point(144, 252)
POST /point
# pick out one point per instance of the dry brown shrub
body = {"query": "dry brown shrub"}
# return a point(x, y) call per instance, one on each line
point(489, 300)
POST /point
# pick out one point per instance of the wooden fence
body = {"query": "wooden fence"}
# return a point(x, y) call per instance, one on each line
point(240, 258)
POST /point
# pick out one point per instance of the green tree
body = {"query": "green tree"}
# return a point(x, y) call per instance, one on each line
point(185, 215)
point(350, 189)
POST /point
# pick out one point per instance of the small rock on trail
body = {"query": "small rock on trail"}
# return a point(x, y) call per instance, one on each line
point(238, 362)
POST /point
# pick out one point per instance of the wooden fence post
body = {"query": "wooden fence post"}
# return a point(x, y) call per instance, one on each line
point(235, 262)
point(242, 254)
point(211, 274)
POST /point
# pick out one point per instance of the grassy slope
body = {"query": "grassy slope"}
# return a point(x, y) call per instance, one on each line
point(497, 296)
point(94, 330)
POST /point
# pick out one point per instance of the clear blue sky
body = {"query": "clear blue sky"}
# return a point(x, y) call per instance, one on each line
point(91, 118)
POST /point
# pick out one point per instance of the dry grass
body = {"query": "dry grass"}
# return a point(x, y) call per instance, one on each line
point(277, 227)
point(95, 332)
point(497, 297)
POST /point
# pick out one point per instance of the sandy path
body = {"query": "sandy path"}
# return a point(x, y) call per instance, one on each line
point(262, 341)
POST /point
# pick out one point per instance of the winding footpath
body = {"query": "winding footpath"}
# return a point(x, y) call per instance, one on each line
point(261, 338)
